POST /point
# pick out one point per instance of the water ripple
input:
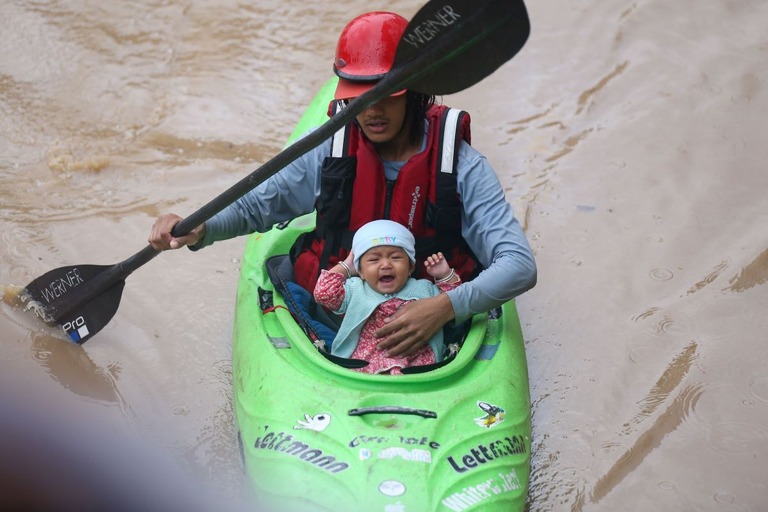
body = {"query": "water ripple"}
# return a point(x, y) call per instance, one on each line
point(759, 388)
point(667, 422)
point(754, 274)
point(661, 274)
point(737, 437)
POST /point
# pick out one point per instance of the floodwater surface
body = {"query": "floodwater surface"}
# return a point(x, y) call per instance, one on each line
point(630, 138)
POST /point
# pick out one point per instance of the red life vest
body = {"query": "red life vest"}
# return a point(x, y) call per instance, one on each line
point(424, 198)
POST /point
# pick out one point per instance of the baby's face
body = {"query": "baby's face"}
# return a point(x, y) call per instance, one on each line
point(385, 268)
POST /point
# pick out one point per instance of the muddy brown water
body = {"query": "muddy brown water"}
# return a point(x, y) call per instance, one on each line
point(630, 138)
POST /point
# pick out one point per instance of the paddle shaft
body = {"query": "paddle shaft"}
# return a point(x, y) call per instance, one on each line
point(441, 33)
point(394, 81)
point(397, 79)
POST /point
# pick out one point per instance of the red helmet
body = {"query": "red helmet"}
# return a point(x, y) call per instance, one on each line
point(366, 50)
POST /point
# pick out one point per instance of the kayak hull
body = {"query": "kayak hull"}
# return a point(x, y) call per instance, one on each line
point(324, 437)
point(318, 436)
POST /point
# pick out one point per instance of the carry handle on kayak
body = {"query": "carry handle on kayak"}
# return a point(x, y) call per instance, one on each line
point(392, 409)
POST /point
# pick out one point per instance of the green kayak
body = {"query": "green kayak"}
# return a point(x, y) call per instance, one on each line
point(318, 436)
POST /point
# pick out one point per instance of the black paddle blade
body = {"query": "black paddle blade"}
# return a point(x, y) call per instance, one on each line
point(54, 297)
point(478, 36)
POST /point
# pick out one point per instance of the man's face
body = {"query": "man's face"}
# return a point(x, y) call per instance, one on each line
point(383, 121)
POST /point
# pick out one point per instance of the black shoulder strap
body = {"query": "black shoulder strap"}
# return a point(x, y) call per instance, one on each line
point(446, 194)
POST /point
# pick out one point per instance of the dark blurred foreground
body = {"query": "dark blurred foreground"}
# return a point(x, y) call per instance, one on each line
point(55, 458)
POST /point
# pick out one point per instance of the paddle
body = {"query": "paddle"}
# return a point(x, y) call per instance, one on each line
point(474, 36)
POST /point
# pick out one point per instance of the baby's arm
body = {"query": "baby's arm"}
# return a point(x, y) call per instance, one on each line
point(329, 290)
point(437, 266)
point(347, 267)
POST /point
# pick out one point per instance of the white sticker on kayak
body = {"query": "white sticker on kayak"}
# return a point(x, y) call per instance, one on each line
point(392, 488)
point(475, 494)
point(318, 422)
point(493, 415)
point(392, 452)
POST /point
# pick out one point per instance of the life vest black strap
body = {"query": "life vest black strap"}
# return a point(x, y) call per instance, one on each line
point(445, 214)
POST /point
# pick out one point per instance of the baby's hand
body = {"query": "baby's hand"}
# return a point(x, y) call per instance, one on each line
point(350, 259)
point(437, 266)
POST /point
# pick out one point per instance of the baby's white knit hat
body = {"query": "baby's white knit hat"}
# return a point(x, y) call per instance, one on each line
point(383, 232)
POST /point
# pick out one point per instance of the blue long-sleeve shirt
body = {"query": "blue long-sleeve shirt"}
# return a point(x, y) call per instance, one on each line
point(488, 224)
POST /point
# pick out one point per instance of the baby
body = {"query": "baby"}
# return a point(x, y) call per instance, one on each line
point(371, 284)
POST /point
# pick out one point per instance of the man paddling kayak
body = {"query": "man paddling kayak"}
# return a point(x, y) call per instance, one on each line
point(403, 158)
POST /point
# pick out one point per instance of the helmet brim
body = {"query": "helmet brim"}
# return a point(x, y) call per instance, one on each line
point(347, 89)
